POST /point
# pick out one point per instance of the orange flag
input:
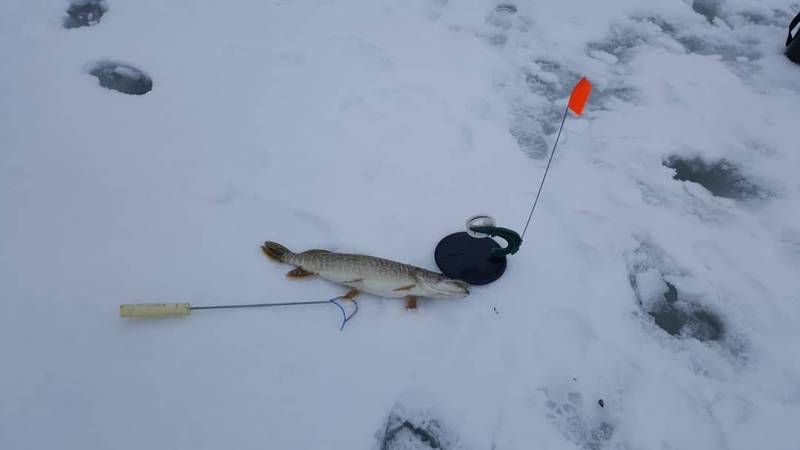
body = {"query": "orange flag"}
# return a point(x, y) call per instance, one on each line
point(579, 96)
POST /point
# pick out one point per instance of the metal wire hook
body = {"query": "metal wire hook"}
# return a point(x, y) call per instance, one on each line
point(345, 318)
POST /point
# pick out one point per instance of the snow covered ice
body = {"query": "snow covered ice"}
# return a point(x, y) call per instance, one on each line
point(378, 127)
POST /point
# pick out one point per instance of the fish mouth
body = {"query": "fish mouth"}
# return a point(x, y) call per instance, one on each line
point(437, 285)
point(449, 288)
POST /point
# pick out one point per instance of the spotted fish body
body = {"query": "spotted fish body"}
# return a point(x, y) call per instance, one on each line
point(377, 276)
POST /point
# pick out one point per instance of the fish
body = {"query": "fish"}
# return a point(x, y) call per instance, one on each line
point(370, 274)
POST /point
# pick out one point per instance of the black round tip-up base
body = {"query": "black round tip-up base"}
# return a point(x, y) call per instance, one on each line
point(469, 259)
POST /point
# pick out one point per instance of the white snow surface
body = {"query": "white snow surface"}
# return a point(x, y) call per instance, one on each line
point(378, 127)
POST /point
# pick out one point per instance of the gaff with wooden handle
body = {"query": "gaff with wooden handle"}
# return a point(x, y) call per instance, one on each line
point(154, 310)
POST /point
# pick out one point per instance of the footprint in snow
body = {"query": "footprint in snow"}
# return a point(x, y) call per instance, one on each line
point(576, 421)
point(84, 13)
point(412, 425)
point(121, 77)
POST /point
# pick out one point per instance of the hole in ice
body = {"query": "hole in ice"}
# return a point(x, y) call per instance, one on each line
point(506, 8)
point(672, 312)
point(722, 178)
point(121, 77)
point(681, 319)
point(84, 13)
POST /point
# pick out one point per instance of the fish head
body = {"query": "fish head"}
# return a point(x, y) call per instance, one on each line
point(437, 285)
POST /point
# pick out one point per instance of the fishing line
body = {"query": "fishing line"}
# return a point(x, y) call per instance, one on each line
point(544, 177)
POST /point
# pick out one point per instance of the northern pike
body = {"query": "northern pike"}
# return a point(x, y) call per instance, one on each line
point(362, 273)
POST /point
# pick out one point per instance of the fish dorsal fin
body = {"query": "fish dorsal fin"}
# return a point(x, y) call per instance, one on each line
point(315, 251)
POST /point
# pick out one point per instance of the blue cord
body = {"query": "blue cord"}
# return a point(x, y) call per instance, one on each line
point(345, 317)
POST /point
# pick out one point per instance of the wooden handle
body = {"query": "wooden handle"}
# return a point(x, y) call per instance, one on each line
point(155, 310)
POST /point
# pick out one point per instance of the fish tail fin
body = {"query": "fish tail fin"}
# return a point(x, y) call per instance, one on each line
point(275, 251)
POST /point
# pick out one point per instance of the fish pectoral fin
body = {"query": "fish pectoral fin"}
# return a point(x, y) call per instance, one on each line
point(405, 288)
point(299, 273)
point(315, 250)
point(357, 280)
point(351, 294)
point(411, 302)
